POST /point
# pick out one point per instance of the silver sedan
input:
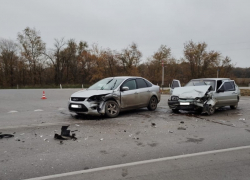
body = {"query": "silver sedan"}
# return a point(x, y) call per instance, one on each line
point(111, 95)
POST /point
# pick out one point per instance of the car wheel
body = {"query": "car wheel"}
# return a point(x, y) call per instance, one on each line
point(234, 106)
point(175, 110)
point(112, 109)
point(211, 110)
point(152, 105)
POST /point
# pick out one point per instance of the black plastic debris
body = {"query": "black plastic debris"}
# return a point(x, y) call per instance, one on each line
point(65, 134)
point(153, 124)
point(6, 136)
point(181, 128)
point(57, 136)
point(182, 122)
point(64, 131)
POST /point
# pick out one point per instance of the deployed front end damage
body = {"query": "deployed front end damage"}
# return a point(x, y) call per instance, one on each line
point(197, 98)
point(94, 105)
point(105, 99)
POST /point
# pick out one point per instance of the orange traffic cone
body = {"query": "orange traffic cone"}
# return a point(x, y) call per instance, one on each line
point(43, 96)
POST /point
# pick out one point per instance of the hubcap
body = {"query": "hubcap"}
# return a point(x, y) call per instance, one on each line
point(112, 109)
point(153, 102)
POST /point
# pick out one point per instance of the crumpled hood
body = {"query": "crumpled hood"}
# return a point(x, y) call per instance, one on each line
point(88, 93)
point(190, 92)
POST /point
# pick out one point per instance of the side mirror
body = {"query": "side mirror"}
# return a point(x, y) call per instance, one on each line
point(220, 90)
point(125, 88)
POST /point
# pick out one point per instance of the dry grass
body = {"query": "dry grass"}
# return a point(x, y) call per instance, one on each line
point(243, 92)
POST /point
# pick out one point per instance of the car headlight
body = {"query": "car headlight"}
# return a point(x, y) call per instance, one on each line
point(96, 98)
point(174, 98)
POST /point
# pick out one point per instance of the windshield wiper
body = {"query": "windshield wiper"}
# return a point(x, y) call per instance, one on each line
point(113, 85)
point(106, 83)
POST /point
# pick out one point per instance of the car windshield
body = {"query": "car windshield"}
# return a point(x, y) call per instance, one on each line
point(106, 84)
point(202, 83)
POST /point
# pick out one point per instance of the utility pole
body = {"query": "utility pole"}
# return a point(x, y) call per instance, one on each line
point(162, 79)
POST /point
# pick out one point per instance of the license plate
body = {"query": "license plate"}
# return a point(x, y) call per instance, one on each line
point(75, 106)
point(184, 103)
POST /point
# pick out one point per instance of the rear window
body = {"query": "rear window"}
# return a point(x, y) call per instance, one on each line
point(141, 83)
point(148, 83)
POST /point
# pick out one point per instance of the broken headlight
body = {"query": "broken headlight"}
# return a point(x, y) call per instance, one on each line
point(174, 98)
point(96, 98)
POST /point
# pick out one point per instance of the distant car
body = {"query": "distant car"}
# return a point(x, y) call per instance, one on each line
point(114, 94)
point(204, 95)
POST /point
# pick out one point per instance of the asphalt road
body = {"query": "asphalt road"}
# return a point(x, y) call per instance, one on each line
point(33, 151)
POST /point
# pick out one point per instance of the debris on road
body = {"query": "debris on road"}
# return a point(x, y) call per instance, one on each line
point(181, 128)
point(101, 139)
point(65, 134)
point(6, 136)
point(242, 119)
point(77, 125)
point(182, 122)
point(170, 131)
point(64, 131)
point(153, 125)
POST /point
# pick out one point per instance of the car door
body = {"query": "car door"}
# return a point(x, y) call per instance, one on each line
point(129, 98)
point(175, 84)
point(226, 94)
point(143, 92)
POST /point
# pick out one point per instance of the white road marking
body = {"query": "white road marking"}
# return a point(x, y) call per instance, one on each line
point(138, 163)
point(38, 110)
point(12, 111)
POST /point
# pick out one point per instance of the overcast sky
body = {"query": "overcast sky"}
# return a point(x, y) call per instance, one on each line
point(223, 24)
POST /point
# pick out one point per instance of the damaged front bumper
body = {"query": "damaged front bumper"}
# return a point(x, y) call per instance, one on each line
point(193, 105)
point(94, 105)
point(184, 105)
point(85, 107)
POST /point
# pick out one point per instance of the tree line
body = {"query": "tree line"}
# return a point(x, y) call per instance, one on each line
point(27, 61)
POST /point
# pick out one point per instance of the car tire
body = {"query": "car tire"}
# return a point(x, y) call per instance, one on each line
point(152, 105)
point(112, 109)
point(175, 110)
point(211, 110)
point(234, 106)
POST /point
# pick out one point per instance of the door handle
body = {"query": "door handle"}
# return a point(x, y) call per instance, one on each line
point(234, 93)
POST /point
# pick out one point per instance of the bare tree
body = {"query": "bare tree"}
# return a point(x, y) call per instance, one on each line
point(8, 62)
point(130, 59)
point(199, 59)
point(32, 49)
point(56, 57)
